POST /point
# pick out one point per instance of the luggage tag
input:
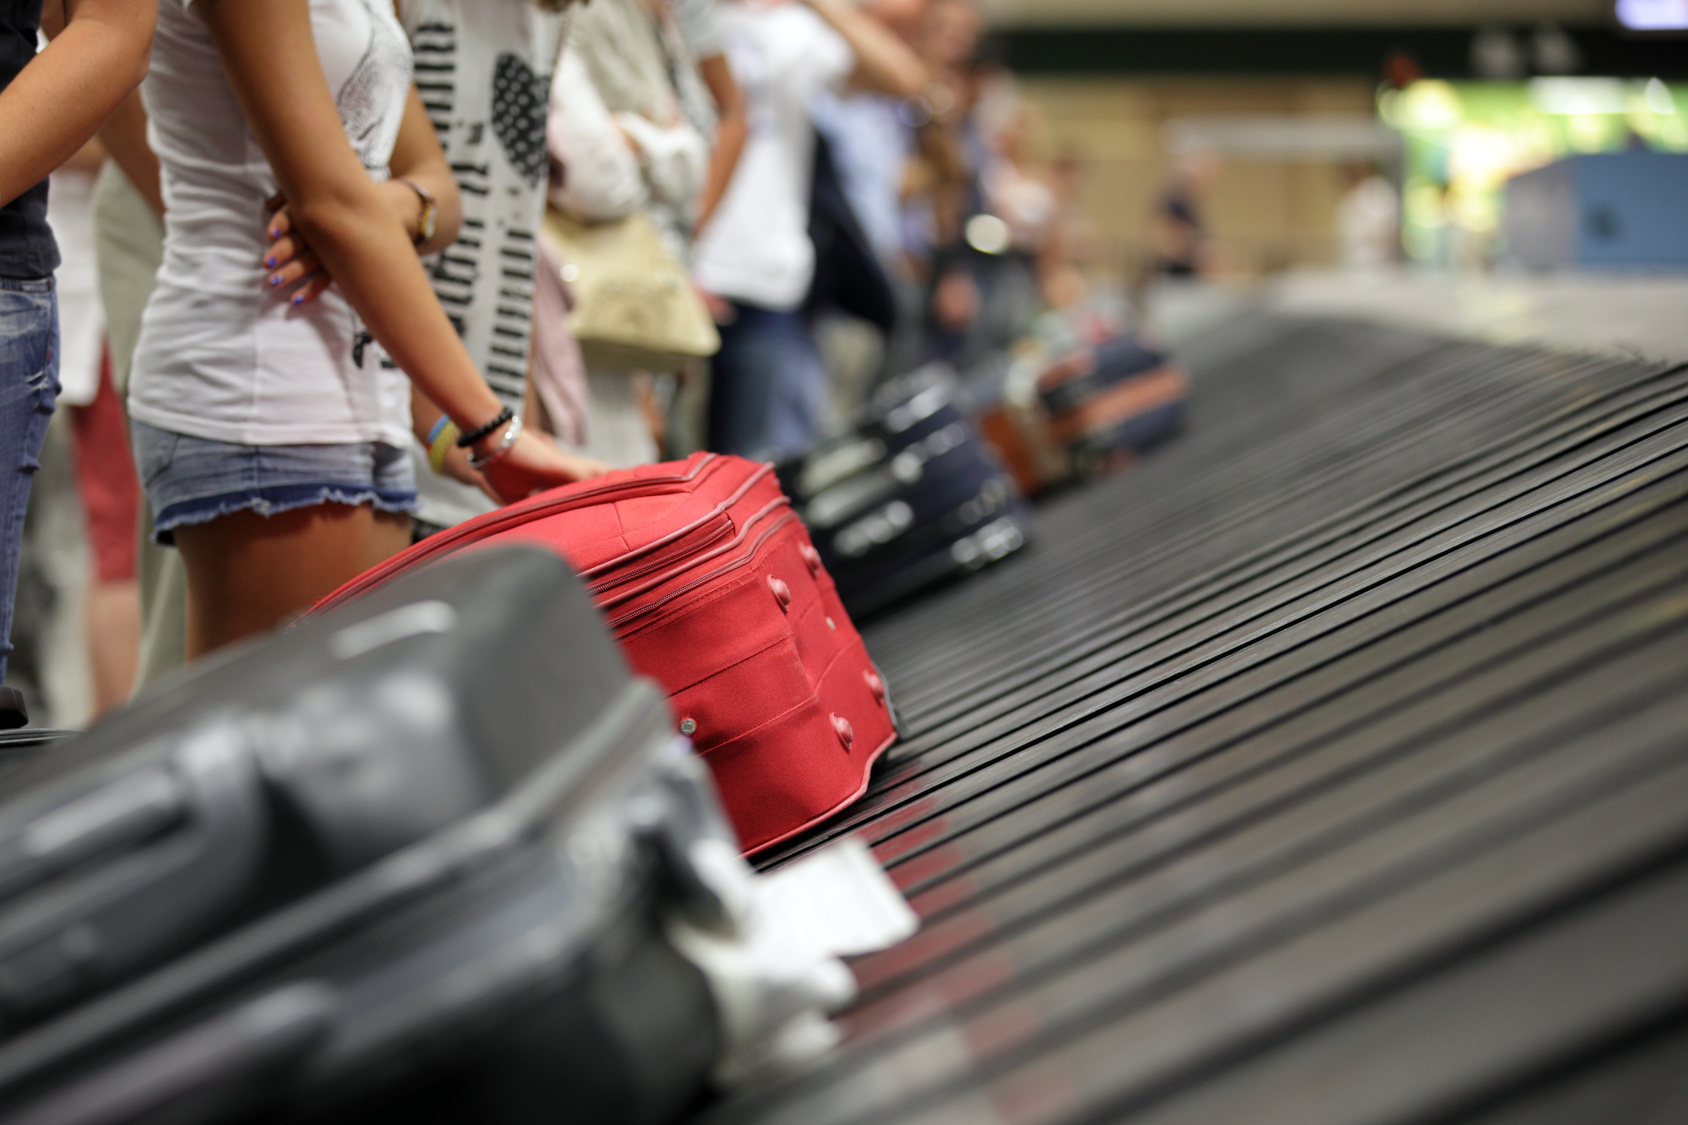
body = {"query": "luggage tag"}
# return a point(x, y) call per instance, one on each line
point(777, 978)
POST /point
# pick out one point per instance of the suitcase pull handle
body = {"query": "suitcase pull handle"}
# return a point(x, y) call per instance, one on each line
point(206, 1072)
point(782, 593)
point(130, 809)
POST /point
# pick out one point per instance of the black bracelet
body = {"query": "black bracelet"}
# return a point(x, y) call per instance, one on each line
point(472, 436)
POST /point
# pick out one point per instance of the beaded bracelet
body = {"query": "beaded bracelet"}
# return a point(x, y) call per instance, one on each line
point(502, 450)
point(474, 435)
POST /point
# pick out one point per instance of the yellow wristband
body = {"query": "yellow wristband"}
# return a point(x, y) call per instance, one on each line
point(442, 447)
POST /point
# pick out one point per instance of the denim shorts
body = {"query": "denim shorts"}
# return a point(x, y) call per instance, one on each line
point(193, 480)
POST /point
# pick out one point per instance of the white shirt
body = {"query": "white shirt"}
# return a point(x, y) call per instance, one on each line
point(699, 24)
point(601, 177)
point(756, 249)
point(483, 68)
point(1368, 219)
point(223, 356)
point(871, 147)
point(70, 212)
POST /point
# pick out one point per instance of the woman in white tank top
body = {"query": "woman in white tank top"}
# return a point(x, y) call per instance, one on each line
point(269, 438)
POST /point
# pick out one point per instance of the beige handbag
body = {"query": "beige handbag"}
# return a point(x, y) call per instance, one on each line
point(635, 309)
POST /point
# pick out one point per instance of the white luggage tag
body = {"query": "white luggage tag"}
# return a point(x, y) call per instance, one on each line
point(779, 976)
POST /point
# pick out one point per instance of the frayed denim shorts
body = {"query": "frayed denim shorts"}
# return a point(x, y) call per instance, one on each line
point(193, 480)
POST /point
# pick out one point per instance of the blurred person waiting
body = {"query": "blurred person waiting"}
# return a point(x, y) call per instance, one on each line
point(632, 125)
point(868, 139)
point(104, 469)
point(1368, 219)
point(1178, 234)
point(769, 388)
point(584, 133)
point(990, 206)
point(51, 103)
point(128, 213)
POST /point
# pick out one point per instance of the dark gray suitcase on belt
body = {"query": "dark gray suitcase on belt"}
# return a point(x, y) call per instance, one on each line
point(907, 497)
point(409, 857)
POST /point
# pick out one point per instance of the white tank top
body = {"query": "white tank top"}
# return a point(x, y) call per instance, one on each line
point(221, 355)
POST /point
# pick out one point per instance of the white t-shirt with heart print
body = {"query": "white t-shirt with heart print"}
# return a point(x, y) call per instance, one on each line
point(223, 356)
point(483, 68)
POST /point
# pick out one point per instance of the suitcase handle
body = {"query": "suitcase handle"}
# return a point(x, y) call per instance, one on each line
point(129, 809)
point(514, 515)
point(205, 1072)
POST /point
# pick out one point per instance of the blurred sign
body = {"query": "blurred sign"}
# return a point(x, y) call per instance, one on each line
point(1613, 210)
point(1465, 141)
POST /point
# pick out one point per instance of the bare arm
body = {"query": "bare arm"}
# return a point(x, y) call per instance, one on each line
point(884, 63)
point(269, 54)
point(125, 138)
point(88, 159)
point(731, 132)
point(417, 158)
point(98, 54)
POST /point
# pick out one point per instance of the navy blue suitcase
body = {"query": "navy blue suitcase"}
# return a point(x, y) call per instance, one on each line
point(410, 860)
point(1081, 375)
point(1116, 398)
point(907, 497)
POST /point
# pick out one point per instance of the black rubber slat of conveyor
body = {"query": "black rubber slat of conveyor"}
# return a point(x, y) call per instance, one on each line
point(1086, 627)
point(1320, 426)
point(1377, 516)
point(1054, 946)
point(1192, 660)
point(1332, 766)
point(1261, 499)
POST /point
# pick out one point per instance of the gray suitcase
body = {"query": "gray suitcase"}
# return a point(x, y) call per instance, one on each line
point(412, 856)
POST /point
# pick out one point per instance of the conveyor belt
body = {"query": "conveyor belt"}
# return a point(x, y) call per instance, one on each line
point(1330, 767)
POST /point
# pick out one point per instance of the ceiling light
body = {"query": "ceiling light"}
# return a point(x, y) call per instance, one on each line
point(1653, 15)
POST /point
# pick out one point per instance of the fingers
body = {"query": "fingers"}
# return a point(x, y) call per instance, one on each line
point(298, 268)
point(281, 222)
point(284, 250)
point(534, 465)
point(318, 284)
point(584, 468)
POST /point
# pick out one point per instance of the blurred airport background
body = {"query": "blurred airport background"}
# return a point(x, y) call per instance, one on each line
point(1296, 102)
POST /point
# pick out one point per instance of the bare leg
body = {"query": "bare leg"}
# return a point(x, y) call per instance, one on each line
point(113, 626)
point(249, 574)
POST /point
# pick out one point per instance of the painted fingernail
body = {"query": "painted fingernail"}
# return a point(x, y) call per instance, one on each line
point(270, 262)
point(275, 279)
point(298, 298)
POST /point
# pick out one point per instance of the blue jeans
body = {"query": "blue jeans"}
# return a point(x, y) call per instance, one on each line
point(29, 385)
point(191, 480)
point(768, 395)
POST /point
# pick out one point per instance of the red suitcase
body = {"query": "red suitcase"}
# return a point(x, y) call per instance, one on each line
point(708, 578)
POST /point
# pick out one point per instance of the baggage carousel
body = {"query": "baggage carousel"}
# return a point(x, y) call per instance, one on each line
point(1330, 766)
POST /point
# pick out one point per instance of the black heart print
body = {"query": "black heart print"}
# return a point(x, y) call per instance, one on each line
point(519, 101)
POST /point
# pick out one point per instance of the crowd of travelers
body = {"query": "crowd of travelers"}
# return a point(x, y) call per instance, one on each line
point(330, 275)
